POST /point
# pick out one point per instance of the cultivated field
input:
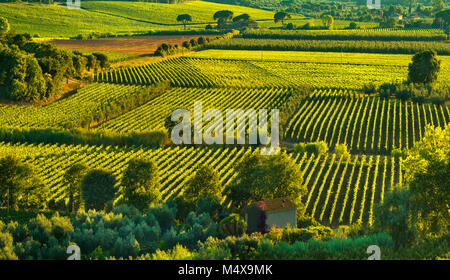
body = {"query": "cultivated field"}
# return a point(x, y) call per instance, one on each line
point(141, 45)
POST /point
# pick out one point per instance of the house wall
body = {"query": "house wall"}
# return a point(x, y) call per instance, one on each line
point(251, 217)
point(281, 218)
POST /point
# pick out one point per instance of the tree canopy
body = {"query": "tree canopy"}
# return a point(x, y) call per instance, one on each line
point(267, 177)
point(141, 184)
point(98, 188)
point(184, 18)
point(223, 16)
point(281, 16)
point(424, 68)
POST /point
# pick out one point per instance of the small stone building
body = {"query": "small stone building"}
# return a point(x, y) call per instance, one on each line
point(263, 215)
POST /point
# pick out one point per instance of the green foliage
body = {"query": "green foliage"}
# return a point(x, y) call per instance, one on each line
point(292, 235)
point(97, 188)
point(140, 183)
point(19, 186)
point(328, 21)
point(233, 225)
point(341, 150)
point(317, 148)
point(424, 67)
point(281, 16)
point(223, 17)
point(4, 27)
point(204, 183)
point(427, 173)
point(262, 178)
point(393, 217)
point(21, 78)
point(72, 178)
point(184, 18)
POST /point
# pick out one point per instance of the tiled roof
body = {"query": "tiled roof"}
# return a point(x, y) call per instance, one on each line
point(276, 204)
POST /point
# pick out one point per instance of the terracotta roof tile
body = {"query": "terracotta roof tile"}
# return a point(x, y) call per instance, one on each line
point(276, 204)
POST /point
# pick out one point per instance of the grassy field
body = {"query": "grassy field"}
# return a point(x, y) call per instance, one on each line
point(57, 21)
point(200, 11)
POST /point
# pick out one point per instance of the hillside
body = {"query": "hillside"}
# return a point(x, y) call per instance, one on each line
point(56, 21)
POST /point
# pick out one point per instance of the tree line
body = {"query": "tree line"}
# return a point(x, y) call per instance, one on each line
point(31, 71)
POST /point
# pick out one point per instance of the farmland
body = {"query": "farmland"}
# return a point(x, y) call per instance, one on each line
point(365, 124)
point(343, 196)
point(355, 102)
point(269, 69)
point(142, 45)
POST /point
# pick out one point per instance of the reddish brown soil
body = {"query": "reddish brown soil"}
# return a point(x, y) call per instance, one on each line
point(141, 45)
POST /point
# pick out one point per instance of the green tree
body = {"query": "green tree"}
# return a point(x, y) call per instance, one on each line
point(21, 78)
point(242, 18)
point(141, 184)
point(223, 17)
point(184, 18)
point(328, 21)
point(4, 26)
point(424, 68)
point(16, 179)
point(438, 5)
point(267, 177)
point(393, 216)
point(442, 20)
point(6, 246)
point(98, 188)
point(204, 183)
point(281, 16)
point(72, 178)
point(427, 172)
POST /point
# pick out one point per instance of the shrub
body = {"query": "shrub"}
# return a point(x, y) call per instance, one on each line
point(98, 187)
point(317, 148)
point(341, 151)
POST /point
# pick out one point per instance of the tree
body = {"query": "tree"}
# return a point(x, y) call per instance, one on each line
point(328, 21)
point(438, 5)
point(72, 178)
point(442, 20)
point(281, 16)
point(267, 177)
point(424, 67)
point(4, 26)
point(97, 188)
point(242, 18)
point(427, 172)
point(141, 184)
point(184, 18)
point(393, 216)
point(223, 17)
point(21, 77)
point(205, 183)
point(16, 179)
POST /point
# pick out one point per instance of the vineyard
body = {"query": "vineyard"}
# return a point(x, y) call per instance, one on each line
point(365, 124)
point(341, 191)
point(211, 73)
point(393, 47)
point(364, 35)
point(68, 112)
point(152, 115)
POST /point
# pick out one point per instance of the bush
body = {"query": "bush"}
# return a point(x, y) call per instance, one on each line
point(317, 148)
point(232, 225)
point(341, 151)
point(98, 187)
point(300, 148)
